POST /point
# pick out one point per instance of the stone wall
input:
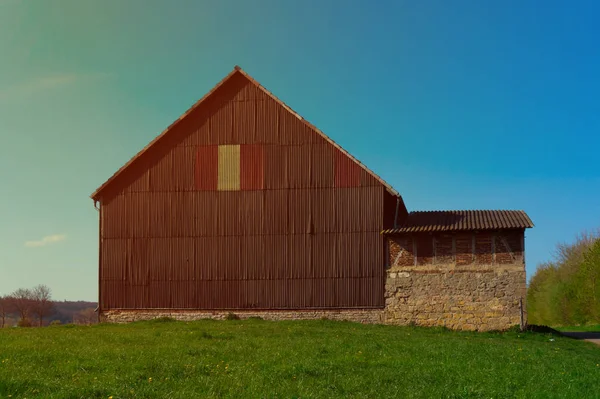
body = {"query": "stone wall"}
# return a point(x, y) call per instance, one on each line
point(357, 315)
point(463, 281)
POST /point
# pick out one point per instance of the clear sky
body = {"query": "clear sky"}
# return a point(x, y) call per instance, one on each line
point(457, 104)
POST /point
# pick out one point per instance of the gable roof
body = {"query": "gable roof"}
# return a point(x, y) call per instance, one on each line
point(431, 221)
point(238, 70)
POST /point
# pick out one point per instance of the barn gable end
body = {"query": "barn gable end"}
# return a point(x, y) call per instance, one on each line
point(239, 111)
point(242, 204)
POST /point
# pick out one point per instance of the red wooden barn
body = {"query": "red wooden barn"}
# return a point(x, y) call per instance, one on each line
point(242, 204)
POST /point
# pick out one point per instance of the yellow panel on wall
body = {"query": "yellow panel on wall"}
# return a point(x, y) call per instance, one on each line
point(229, 168)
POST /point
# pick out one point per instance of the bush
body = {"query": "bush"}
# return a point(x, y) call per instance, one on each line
point(232, 316)
point(55, 323)
point(24, 323)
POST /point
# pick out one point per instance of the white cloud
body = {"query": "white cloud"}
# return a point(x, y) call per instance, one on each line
point(44, 83)
point(46, 240)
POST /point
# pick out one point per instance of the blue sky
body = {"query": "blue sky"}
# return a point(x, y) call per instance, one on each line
point(460, 104)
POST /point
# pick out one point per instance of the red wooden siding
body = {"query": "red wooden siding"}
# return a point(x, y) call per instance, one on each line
point(244, 120)
point(461, 247)
point(252, 171)
point(206, 167)
point(302, 230)
point(347, 172)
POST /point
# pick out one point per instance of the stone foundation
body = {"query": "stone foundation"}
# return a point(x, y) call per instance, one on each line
point(467, 297)
point(471, 297)
point(356, 315)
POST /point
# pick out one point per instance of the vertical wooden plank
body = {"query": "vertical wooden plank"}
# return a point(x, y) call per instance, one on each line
point(299, 166)
point(251, 210)
point(252, 167)
point(184, 159)
point(454, 248)
point(322, 165)
point(347, 172)
point(267, 122)
point(276, 167)
point(221, 121)
point(229, 168)
point(228, 213)
point(244, 122)
point(323, 210)
point(276, 211)
point(414, 243)
point(207, 167)
point(299, 212)
point(252, 263)
point(493, 248)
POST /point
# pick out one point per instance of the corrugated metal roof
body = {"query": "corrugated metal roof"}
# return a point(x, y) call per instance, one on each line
point(431, 221)
point(239, 70)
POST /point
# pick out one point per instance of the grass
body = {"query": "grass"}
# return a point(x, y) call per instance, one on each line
point(321, 359)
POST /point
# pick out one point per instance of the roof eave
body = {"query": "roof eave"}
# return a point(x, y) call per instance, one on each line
point(412, 231)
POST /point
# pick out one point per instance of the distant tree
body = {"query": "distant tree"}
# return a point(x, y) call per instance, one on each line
point(540, 306)
point(86, 316)
point(21, 301)
point(566, 291)
point(588, 283)
point(5, 309)
point(42, 305)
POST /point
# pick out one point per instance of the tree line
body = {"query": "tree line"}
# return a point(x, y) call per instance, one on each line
point(566, 290)
point(31, 305)
point(34, 307)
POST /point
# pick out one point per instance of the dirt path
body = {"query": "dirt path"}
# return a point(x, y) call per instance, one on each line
point(588, 336)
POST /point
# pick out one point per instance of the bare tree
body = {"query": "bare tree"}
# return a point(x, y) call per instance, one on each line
point(86, 316)
point(21, 302)
point(5, 305)
point(42, 302)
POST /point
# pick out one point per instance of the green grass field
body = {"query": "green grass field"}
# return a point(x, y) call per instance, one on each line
point(255, 358)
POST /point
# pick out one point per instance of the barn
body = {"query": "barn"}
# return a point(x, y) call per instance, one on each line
point(242, 206)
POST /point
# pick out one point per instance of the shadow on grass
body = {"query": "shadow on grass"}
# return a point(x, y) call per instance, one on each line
point(581, 334)
point(542, 329)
